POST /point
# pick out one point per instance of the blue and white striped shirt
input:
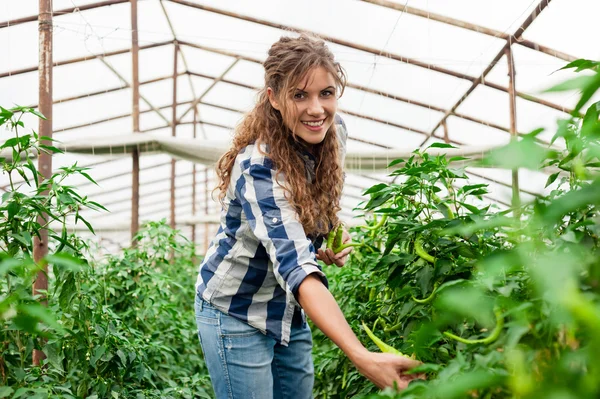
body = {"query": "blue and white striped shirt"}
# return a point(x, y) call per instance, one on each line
point(260, 255)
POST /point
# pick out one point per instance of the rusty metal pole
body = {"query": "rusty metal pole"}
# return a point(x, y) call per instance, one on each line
point(516, 201)
point(206, 228)
point(194, 181)
point(40, 245)
point(446, 136)
point(135, 85)
point(174, 133)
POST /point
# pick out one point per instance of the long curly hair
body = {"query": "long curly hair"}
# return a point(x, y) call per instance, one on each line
point(289, 60)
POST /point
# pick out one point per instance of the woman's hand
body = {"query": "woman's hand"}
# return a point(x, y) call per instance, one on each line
point(329, 257)
point(386, 369)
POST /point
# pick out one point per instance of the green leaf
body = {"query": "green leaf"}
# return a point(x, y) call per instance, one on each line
point(68, 290)
point(36, 113)
point(425, 368)
point(376, 188)
point(590, 126)
point(460, 300)
point(88, 177)
point(458, 158)
point(577, 83)
point(396, 162)
point(5, 391)
point(582, 64)
point(551, 178)
point(523, 153)
point(25, 240)
point(12, 142)
point(20, 392)
point(66, 199)
point(41, 313)
point(89, 226)
point(462, 384)
point(98, 352)
point(441, 145)
point(10, 264)
point(51, 149)
point(587, 93)
point(69, 262)
point(569, 202)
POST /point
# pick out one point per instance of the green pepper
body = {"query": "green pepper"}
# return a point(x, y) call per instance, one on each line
point(339, 233)
point(487, 340)
point(334, 240)
point(429, 298)
point(385, 348)
point(421, 251)
point(330, 238)
point(376, 226)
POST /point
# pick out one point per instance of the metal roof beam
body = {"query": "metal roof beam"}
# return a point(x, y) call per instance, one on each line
point(481, 79)
point(472, 27)
point(58, 13)
point(82, 59)
point(397, 57)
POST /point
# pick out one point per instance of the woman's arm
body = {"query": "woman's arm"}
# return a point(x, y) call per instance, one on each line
point(383, 369)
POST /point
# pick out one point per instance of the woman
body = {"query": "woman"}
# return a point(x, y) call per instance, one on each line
point(280, 187)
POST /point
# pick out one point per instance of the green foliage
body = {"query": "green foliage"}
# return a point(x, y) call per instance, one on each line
point(496, 304)
point(119, 327)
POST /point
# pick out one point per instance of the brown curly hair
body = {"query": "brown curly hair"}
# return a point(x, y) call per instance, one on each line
point(290, 59)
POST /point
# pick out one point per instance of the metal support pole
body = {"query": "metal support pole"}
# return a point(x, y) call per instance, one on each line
point(516, 201)
point(173, 134)
point(40, 245)
point(446, 136)
point(135, 173)
point(206, 229)
point(194, 180)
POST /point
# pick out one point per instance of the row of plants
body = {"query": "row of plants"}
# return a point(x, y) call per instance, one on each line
point(117, 327)
point(495, 303)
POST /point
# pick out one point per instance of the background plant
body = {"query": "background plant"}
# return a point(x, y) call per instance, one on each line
point(116, 327)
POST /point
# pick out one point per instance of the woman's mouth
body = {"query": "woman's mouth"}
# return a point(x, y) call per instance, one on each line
point(314, 125)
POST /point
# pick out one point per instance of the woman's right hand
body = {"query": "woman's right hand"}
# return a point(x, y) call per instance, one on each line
point(385, 369)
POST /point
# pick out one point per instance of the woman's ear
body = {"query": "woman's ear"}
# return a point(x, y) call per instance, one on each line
point(272, 100)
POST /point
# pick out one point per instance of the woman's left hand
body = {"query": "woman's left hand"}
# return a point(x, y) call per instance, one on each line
point(329, 257)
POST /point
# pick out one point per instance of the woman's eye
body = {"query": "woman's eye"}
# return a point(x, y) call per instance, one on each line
point(326, 93)
point(299, 96)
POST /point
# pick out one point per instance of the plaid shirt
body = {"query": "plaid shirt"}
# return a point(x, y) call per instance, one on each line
point(260, 255)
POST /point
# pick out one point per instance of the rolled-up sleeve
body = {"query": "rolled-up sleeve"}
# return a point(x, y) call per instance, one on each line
point(274, 222)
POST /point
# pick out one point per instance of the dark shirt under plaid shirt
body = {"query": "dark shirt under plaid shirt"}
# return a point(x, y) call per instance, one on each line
point(260, 255)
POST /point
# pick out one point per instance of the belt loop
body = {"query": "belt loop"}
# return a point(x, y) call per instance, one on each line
point(200, 301)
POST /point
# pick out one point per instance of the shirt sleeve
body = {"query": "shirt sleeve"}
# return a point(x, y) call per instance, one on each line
point(274, 222)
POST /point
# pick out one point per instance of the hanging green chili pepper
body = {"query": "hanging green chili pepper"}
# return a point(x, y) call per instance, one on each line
point(429, 298)
point(485, 341)
point(385, 348)
point(376, 226)
point(421, 251)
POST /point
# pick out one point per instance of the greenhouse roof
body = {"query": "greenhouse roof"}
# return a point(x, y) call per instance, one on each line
point(420, 71)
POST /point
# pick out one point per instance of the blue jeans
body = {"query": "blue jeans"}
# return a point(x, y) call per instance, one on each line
point(243, 363)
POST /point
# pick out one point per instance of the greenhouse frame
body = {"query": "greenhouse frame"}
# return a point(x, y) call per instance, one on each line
point(147, 94)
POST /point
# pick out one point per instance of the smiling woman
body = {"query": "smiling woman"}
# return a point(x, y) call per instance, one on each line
point(280, 187)
point(312, 107)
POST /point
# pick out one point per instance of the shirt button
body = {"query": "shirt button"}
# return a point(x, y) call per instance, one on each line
point(274, 220)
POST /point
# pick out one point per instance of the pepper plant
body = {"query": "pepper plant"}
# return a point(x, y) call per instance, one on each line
point(496, 303)
point(116, 327)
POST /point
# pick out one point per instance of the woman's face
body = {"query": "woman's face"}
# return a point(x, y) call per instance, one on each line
point(312, 106)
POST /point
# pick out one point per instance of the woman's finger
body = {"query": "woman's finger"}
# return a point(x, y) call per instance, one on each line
point(343, 253)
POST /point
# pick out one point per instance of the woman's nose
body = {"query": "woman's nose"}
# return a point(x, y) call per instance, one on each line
point(315, 107)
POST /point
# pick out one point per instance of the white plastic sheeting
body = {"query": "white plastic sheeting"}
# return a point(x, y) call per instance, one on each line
point(406, 71)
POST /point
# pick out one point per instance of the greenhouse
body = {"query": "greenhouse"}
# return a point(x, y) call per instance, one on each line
point(160, 164)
